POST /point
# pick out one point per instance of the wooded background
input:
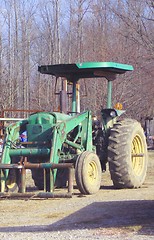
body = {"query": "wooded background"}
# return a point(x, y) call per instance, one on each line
point(40, 32)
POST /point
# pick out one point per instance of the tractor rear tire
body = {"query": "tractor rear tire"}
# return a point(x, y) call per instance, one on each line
point(127, 154)
point(61, 178)
point(38, 177)
point(88, 173)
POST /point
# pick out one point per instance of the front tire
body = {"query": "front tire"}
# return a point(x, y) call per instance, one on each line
point(88, 173)
point(13, 179)
point(127, 154)
point(12, 183)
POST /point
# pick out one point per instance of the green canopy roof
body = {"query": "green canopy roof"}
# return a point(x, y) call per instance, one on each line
point(74, 72)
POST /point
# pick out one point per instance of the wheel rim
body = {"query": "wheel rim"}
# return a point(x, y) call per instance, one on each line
point(138, 155)
point(11, 183)
point(92, 172)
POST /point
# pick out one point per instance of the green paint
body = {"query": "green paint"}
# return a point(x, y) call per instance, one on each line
point(109, 94)
point(105, 65)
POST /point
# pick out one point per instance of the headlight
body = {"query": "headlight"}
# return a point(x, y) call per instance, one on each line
point(113, 114)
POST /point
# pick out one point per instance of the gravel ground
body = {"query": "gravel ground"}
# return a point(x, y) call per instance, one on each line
point(110, 214)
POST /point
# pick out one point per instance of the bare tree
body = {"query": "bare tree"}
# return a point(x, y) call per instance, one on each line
point(45, 32)
point(137, 20)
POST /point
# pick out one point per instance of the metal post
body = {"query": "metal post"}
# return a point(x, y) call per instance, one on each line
point(74, 98)
point(51, 180)
point(63, 97)
point(44, 179)
point(23, 180)
point(78, 97)
point(70, 180)
point(2, 181)
point(109, 94)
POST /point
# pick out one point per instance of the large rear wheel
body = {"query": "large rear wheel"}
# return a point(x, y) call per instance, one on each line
point(88, 173)
point(127, 154)
point(38, 177)
point(61, 178)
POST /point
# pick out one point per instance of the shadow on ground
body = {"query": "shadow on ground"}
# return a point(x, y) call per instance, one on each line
point(138, 215)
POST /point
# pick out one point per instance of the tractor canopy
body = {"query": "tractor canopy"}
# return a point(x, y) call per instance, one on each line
point(73, 72)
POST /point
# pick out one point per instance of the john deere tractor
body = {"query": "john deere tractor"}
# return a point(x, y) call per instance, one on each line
point(58, 142)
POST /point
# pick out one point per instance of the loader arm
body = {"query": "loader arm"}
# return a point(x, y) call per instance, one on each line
point(82, 142)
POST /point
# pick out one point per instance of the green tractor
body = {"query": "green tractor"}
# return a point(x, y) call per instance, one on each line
point(58, 142)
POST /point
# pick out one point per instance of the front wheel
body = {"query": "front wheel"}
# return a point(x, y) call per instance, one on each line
point(12, 183)
point(88, 173)
point(127, 154)
point(13, 180)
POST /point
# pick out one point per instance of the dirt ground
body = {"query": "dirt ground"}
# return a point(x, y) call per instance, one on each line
point(109, 214)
